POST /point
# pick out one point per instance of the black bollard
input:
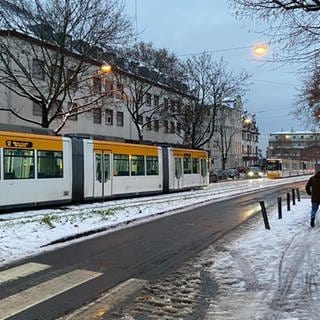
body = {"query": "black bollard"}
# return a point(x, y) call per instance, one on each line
point(298, 194)
point(288, 201)
point(264, 215)
point(293, 197)
point(279, 208)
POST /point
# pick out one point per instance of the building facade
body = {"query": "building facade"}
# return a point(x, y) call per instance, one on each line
point(128, 102)
point(236, 138)
point(250, 140)
point(298, 145)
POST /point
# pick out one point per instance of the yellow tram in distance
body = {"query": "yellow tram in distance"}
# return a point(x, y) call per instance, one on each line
point(279, 168)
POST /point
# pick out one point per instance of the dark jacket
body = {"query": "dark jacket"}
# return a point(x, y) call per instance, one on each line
point(313, 187)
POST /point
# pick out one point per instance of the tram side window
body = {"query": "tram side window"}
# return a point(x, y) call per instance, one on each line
point(120, 165)
point(152, 166)
point(195, 166)
point(178, 167)
point(50, 164)
point(137, 166)
point(204, 168)
point(18, 164)
point(98, 167)
point(187, 166)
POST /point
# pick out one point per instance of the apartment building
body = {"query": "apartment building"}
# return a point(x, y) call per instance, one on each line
point(250, 140)
point(100, 103)
point(128, 101)
point(300, 145)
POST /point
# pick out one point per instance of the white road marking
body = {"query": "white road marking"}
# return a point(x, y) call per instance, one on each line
point(21, 271)
point(30, 297)
point(104, 304)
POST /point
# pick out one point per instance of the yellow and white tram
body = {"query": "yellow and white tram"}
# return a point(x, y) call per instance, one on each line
point(38, 169)
point(277, 168)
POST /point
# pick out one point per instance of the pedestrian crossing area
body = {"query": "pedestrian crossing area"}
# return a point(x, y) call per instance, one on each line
point(17, 302)
point(21, 271)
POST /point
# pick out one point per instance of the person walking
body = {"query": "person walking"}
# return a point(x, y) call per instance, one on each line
point(313, 189)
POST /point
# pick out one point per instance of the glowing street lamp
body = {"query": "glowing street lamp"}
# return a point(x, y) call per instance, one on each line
point(106, 68)
point(259, 50)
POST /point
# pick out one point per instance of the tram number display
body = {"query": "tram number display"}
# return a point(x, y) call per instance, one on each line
point(18, 144)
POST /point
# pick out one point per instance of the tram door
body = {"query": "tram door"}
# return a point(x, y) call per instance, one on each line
point(102, 177)
point(178, 183)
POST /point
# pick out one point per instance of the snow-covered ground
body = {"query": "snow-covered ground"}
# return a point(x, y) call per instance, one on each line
point(269, 274)
point(258, 273)
point(251, 273)
point(27, 233)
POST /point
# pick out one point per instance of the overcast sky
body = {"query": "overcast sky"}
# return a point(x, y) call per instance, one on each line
point(188, 27)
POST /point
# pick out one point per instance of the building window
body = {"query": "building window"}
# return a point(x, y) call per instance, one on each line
point(140, 119)
point(96, 115)
point(38, 69)
point(156, 125)
point(36, 109)
point(109, 87)
point(179, 128)
point(165, 126)
point(178, 107)
point(109, 117)
point(172, 127)
point(149, 123)
point(119, 94)
point(120, 121)
point(172, 106)
point(148, 99)
point(97, 87)
point(166, 104)
point(156, 100)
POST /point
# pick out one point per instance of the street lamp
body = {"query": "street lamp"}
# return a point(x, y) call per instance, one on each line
point(106, 68)
point(259, 50)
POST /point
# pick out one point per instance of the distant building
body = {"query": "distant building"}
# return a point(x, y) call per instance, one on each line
point(250, 140)
point(300, 145)
point(239, 130)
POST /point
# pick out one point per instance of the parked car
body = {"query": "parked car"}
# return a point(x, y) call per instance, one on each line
point(241, 169)
point(254, 172)
point(213, 176)
point(216, 175)
point(231, 173)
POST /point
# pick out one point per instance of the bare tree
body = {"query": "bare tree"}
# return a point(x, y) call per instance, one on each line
point(293, 25)
point(165, 62)
point(210, 83)
point(51, 51)
point(308, 100)
point(141, 92)
point(151, 74)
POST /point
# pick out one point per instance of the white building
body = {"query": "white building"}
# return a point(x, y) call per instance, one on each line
point(290, 144)
point(99, 103)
